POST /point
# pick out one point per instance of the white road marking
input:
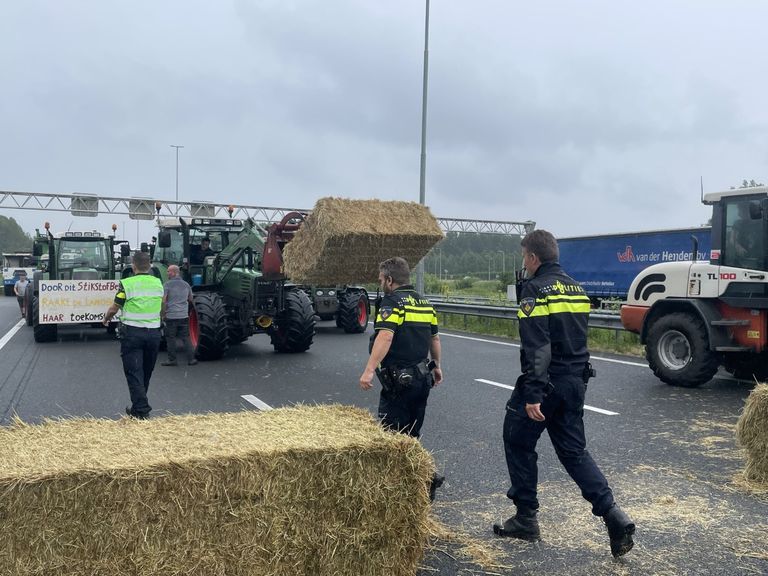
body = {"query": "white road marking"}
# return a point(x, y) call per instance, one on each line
point(508, 387)
point(5, 339)
point(514, 345)
point(256, 402)
point(492, 383)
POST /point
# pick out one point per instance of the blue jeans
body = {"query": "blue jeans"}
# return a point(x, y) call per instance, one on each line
point(138, 349)
point(563, 409)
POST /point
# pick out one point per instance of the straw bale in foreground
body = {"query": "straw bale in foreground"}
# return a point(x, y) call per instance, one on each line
point(320, 491)
point(752, 433)
point(343, 241)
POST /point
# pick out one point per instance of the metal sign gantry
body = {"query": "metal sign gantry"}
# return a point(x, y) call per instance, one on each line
point(137, 208)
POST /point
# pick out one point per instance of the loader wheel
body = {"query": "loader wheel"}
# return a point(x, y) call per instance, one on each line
point(208, 329)
point(43, 332)
point(353, 311)
point(294, 329)
point(748, 366)
point(677, 350)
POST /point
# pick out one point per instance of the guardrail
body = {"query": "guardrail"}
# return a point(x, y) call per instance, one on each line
point(596, 320)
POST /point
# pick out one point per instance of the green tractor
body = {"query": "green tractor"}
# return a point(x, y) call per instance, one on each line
point(238, 287)
point(348, 305)
point(79, 257)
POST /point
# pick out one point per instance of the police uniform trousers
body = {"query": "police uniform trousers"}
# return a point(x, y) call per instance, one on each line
point(138, 349)
point(563, 409)
point(403, 409)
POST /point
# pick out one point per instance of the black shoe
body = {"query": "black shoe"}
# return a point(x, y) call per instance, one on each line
point(192, 362)
point(169, 363)
point(522, 525)
point(620, 530)
point(136, 416)
point(436, 482)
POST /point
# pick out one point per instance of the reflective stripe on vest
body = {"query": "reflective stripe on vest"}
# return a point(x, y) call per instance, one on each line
point(143, 301)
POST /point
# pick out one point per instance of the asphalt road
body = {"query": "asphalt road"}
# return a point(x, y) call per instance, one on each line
point(669, 454)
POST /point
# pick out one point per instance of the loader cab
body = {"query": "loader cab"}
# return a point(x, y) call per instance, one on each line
point(741, 222)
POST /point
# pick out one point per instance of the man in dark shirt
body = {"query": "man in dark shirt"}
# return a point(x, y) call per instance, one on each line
point(197, 257)
point(553, 316)
point(405, 336)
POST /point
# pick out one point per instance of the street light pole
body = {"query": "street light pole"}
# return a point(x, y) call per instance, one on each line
point(503, 261)
point(177, 175)
point(423, 169)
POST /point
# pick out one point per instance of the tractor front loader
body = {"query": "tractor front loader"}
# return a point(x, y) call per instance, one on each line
point(240, 289)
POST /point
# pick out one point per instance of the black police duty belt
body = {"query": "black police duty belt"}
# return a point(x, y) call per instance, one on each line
point(398, 378)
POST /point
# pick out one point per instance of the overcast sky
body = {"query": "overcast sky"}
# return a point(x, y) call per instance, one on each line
point(586, 117)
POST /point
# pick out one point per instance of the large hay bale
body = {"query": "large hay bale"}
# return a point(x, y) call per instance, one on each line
point(320, 491)
point(343, 241)
point(752, 433)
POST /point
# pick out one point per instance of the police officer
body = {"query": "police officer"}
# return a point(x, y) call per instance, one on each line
point(405, 338)
point(140, 297)
point(553, 316)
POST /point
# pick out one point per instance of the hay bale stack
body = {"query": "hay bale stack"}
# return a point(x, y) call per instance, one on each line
point(320, 491)
point(752, 433)
point(343, 241)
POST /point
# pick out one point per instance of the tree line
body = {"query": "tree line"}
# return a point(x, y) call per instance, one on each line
point(473, 254)
point(12, 237)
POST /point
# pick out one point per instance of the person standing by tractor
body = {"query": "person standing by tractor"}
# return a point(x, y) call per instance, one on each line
point(553, 316)
point(177, 298)
point(20, 288)
point(141, 298)
point(405, 339)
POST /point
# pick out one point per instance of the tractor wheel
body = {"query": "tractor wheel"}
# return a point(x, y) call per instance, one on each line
point(43, 332)
point(353, 311)
point(677, 350)
point(208, 326)
point(294, 329)
point(28, 295)
point(748, 366)
point(9, 290)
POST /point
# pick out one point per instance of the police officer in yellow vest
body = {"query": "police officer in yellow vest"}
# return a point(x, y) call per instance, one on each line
point(405, 339)
point(549, 395)
point(140, 297)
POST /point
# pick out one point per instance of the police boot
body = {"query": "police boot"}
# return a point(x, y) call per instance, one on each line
point(620, 530)
point(522, 525)
point(435, 483)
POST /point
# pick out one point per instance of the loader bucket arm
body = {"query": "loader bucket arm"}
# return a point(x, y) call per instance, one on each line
point(278, 235)
point(247, 239)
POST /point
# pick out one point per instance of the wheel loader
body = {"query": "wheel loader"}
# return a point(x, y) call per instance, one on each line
point(695, 316)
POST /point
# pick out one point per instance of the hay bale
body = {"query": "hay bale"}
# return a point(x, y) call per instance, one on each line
point(320, 491)
point(752, 434)
point(343, 241)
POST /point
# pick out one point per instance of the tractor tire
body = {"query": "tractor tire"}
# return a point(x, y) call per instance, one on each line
point(208, 329)
point(28, 295)
point(295, 327)
point(42, 332)
point(9, 290)
point(353, 311)
point(748, 366)
point(677, 350)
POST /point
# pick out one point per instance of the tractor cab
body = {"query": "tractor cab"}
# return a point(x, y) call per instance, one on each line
point(193, 245)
